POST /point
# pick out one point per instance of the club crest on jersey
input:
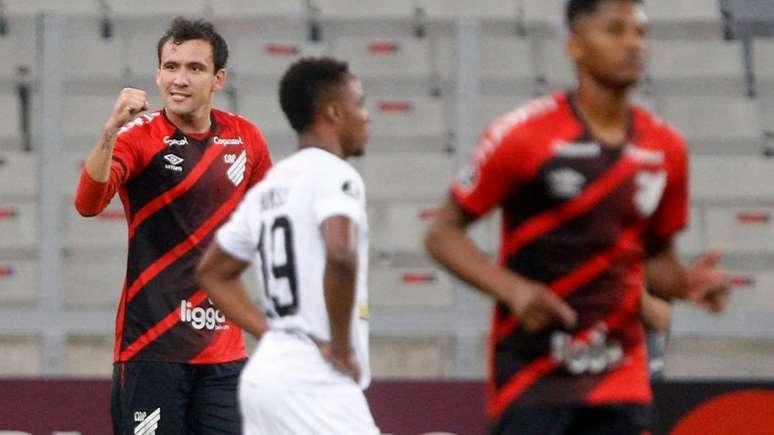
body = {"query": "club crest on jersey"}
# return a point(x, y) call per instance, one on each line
point(565, 183)
point(650, 187)
point(236, 172)
point(173, 163)
point(148, 423)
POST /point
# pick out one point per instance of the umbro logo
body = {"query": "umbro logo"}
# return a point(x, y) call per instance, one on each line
point(148, 422)
point(174, 162)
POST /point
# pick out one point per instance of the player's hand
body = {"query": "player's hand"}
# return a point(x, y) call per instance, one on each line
point(708, 285)
point(537, 308)
point(129, 103)
point(343, 360)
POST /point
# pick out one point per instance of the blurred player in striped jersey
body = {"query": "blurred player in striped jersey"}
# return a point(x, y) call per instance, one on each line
point(593, 190)
point(305, 226)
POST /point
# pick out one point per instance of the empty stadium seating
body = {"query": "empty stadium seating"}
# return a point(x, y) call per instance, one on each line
point(18, 174)
point(411, 357)
point(697, 67)
point(408, 287)
point(22, 355)
point(86, 286)
point(18, 282)
point(18, 225)
point(398, 176)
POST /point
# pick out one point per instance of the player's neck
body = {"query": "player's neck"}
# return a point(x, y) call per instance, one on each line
point(193, 124)
point(321, 138)
point(607, 111)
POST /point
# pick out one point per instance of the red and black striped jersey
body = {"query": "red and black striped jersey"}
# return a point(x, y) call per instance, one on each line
point(577, 216)
point(176, 190)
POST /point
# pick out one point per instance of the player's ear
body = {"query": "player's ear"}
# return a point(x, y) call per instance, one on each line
point(333, 111)
point(574, 46)
point(220, 79)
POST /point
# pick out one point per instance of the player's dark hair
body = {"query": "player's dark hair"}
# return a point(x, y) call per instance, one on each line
point(307, 83)
point(182, 29)
point(576, 9)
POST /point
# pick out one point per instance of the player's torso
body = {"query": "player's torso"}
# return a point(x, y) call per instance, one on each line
point(577, 226)
point(187, 187)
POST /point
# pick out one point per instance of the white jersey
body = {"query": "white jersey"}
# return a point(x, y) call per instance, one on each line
point(278, 226)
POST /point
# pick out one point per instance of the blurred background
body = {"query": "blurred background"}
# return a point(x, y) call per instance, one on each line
point(435, 72)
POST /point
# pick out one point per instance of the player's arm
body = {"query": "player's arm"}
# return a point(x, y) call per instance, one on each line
point(94, 190)
point(702, 282)
point(339, 282)
point(219, 274)
point(656, 312)
point(532, 302)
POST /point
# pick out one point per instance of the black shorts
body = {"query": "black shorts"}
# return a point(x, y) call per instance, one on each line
point(623, 419)
point(175, 398)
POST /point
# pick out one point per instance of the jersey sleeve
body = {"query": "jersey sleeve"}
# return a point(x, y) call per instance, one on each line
point(340, 195)
point(238, 236)
point(92, 196)
point(262, 157)
point(672, 212)
point(499, 165)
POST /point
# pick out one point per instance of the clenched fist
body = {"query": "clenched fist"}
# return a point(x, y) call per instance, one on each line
point(130, 102)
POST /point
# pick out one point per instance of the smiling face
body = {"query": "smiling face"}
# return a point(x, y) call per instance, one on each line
point(611, 44)
point(187, 79)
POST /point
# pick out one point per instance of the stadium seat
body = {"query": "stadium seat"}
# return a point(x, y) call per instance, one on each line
point(681, 11)
point(691, 240)
point(387, 58)
point(18, 282)
point(360, 9)
point(763, 61)
point(10, 122)
point(22, 355)
point(697, 67)
point(715, 125)
point(87, 286)
point(89, 356)
point(255, 57)
point(264, 110)
point(252, 8)
point(466, 8)
point(507, 58)
point(740, 229)
point(408, 287)
point(397, 116)
point(70, 7)
point(411, 357)
point(556, 68)
point(17, 48)
point(399, 225)
point(108, 229)
point(547, 11)
point(729, 179)
point(154, 8)
point(494, 107)
point(18, 174)
point(84, 115)
point(18, 225)
point(89, 57)
point(141, 43)
point(406, 176)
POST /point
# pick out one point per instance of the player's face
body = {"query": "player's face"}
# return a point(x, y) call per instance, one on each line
point(354, 129)
point(611, 44)
point(186, 78)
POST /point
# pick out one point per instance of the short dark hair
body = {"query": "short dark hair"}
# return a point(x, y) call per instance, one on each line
point(307, 83)
point(576, 9)
point(182, 29)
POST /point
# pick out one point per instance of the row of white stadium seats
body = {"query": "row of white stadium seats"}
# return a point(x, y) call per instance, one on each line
point(675, 10)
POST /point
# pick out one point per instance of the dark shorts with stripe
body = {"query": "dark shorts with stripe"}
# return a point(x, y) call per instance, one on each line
point(623, 419)
point(175, 399)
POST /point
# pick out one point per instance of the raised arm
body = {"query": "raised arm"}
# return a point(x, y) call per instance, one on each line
point(94, 190)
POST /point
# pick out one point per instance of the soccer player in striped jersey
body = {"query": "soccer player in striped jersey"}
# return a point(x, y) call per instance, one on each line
point(593, 189)
point(306, 228)
point(179, 172)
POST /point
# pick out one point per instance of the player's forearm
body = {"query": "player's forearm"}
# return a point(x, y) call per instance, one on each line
point(450, 246)
point(231, 298)
point(667, 275)
point(656, 312)
point(98, 163)
point(340, 281)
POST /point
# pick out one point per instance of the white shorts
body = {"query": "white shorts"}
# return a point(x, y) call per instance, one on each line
point(287, 388)
point(327, 410)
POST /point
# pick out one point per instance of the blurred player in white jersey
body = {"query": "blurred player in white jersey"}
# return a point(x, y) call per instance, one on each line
point(305, 226)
